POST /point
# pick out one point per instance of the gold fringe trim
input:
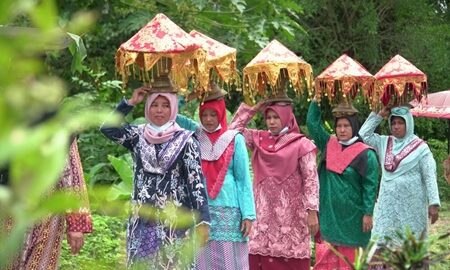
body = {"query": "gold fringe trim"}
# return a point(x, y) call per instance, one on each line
point(345, 87)
point(257, 77)
point(186, 66)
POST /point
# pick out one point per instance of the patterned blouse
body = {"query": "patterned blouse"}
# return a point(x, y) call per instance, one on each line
point(168, 198)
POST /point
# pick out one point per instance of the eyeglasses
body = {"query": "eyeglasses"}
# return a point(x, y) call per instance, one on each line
point(399, 111)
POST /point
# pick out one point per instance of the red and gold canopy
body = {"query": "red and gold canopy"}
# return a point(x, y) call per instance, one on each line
point(397, 76)
point(266, 67)
point(220, 57)
point(344, 75)
point(150, 49)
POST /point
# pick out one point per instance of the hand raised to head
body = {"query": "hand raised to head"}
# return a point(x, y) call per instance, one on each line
point(385, 111)
point(138, 95)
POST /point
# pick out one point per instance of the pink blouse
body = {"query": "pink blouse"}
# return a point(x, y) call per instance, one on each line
point(282, 198)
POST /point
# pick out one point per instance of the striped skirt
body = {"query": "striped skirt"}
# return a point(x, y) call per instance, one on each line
point(221, 255)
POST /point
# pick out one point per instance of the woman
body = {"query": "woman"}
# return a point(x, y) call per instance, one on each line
point(229, 187)
point(41, 248)
point(285, 186)
point(167, 176)
point(408, 191)
point(348, 177)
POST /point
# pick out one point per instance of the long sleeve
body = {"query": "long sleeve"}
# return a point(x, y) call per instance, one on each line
point(428, 173)
point(308, 170)
point(243, 180)
point(196, 181)
point(240, 120)
point(370, 183)
point(126, 134)
point(315, 128)
point(367, 131)
point(186, 122)
point(72, 181)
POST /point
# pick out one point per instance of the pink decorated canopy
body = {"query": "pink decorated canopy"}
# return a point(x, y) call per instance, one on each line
point(342, 79)
point(220, 57)
point(159, 47)
point(267, 66)
point(400, 80)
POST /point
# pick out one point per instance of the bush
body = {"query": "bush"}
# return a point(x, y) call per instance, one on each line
point(103, 249)
point(439, 149)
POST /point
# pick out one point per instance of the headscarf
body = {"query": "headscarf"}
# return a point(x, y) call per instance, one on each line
point(218, 105)
point(354, 123)
point(215, 170)
point(288, 121)
point(341, 154)
point(413, 158)
point(277, 156)
point(160, 134)
point(405, 114)
point(353, 119)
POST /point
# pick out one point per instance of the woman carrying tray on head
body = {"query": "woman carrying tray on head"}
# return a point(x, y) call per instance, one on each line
point(285, 186)
point(229, 188)
point(348, 176)
point(167, 176)
point(408, 191)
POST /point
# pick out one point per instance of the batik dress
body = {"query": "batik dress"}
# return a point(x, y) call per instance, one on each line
point(233, 202)
point(407, 191)
point(280, 235)
point(348, 178)
point(167, 177)
point(42, 244)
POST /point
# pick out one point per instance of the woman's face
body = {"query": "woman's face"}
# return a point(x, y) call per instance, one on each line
point(210, 120)
point(398, 127)
point(160, 111)
point(344, 129)
point(273, 122)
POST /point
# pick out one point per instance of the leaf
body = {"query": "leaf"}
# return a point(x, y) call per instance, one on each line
point(57, 203)
point(119, 191)
point(78, 51)
point(239, 4)
point(92, 172)
point(124, 169)
point(44, 14)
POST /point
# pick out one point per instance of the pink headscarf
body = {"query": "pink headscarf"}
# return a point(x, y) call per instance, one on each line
point(155, 137)
point(287, 118)
point(276, 156)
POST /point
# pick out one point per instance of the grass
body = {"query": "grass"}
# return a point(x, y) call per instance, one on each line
point(441, 227)
point(106, 246)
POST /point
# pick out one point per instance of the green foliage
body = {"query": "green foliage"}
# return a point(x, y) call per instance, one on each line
point(439, 150)
point(413, 253)
point(123, 189)
point(103, 249)
point(78, 52)
point(34, 145)
point(374, 31)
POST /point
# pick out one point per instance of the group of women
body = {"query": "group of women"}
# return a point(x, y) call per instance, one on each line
point(268, 222)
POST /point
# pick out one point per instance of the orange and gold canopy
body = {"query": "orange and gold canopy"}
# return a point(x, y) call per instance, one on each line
point(344, 75)
point(220, 57)
point(150, 49)
point(397, 76)
point(266, 67)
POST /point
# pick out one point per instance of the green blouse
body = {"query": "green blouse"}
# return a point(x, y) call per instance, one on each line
point(344, 198)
